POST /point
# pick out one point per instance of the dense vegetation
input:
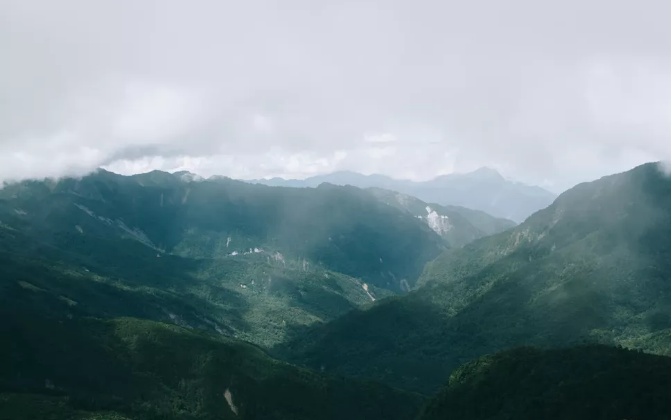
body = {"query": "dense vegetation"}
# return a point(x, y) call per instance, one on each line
point(584, 383)
point(199, 294)
point(236, 260)
point(88, 266)
point(595, 266)
point(127, 368)
point(342, 229)
point(247, 261)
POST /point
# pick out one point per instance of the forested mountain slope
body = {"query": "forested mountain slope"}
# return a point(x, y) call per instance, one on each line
point(583, 383)
point(220, 259)
point(59, 368)
point(342, 229)
point(241, 260)
point(594, 266)
point(457, 225)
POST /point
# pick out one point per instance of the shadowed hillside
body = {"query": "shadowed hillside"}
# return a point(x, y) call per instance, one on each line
point(584, 383)
point(128, 368)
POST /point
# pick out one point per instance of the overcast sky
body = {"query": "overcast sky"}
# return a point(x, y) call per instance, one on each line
point(548, 92)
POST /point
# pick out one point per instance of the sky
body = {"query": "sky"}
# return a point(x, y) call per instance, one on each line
point(550, 93)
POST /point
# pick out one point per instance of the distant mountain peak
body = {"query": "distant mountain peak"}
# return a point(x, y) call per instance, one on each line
point(485, 173)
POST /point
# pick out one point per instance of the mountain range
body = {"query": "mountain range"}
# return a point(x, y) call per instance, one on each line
point(243, 260)
point(168, 296)
point(88, 266)
point(483, 189)
point(594, 266)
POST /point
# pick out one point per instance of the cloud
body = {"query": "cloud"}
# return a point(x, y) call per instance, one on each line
point(156, 114)
point(262, 124)
point(665, 167)
point(553, 93)
point(380, 138)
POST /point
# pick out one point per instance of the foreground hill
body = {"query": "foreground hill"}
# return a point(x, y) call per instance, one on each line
point(484, 189)
point(584, 383)
point(595, 266)
point(132, 369)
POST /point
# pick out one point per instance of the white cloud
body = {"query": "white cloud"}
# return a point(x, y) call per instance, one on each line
point(554, 92)
point(262, 124)
point(150, 114)
point(380, 138)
